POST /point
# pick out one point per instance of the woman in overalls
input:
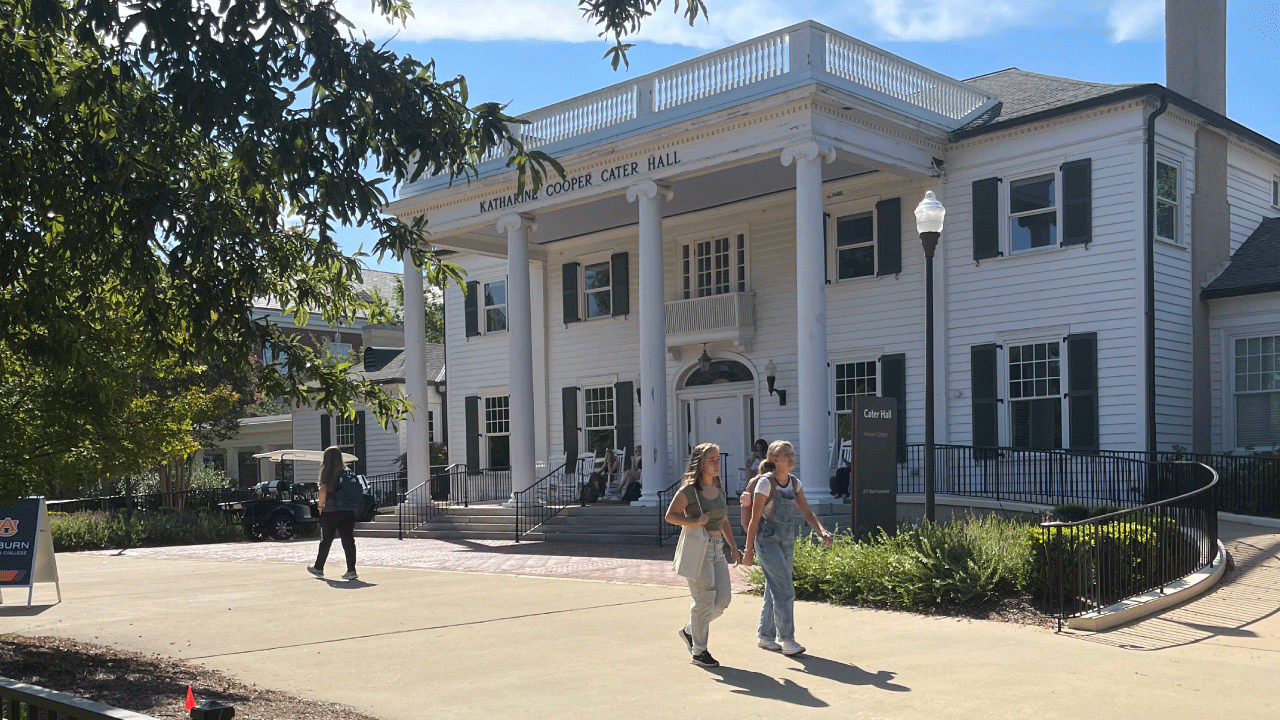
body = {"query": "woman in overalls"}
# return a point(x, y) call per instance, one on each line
point(778, 507)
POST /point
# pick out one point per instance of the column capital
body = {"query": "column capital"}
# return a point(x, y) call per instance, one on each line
point(649, 189)
point(808, 150)
point(514, 221)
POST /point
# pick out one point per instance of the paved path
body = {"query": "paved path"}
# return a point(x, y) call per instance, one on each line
point(530, 632)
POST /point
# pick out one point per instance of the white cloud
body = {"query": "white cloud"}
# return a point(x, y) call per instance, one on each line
point(940, 20)
point(1135, 19)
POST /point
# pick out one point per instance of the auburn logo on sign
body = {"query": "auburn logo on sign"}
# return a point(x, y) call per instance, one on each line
point(8, 527)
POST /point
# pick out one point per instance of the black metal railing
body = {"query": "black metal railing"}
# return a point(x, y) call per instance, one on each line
point(452, 486)
point(550, 495)
point(1088, 565)
point(1247, 484)
point(387, 489)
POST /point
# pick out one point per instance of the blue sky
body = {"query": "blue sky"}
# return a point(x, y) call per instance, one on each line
point(532, 53)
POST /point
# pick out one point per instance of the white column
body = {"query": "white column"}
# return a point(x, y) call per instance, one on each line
point(656, 473)
point(519, 349)
point(813, 463)
point(418, 458)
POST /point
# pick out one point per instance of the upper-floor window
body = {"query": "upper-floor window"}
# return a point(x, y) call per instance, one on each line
point(1257, 392)
point(1035, 396)
point(338, 349)
point(495, 306)
point(714, 267)
point(597, 289)
point(1033, 213)
point(1167, 201)
point(855, 246)
point(1275, 191)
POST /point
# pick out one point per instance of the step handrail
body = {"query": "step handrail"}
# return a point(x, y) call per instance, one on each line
point(666, 529)
point(531, 514)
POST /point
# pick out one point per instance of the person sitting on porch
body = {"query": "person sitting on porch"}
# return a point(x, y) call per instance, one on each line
point(632, 475)
point(609, 467)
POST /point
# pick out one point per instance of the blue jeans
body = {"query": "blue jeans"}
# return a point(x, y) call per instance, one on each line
point(711, 592)
point(776, 550)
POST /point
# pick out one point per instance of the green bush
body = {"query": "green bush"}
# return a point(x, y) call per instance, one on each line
point(208, 477)
point(96, 530)
point(1107, 562)
point(970, 560)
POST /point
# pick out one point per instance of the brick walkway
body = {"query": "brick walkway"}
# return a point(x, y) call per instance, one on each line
point(634, 564)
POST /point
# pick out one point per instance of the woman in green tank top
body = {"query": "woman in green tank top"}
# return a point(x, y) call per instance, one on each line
point(701, 502)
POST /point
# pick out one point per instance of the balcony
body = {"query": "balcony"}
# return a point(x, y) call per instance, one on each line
point(716, 318)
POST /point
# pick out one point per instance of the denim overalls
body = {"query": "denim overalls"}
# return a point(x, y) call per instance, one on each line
point(775, 548)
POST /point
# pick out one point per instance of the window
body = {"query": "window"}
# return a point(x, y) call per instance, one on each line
point(1035, 396)
point(599, 413)
point(855, 246)
point(853, 379)
point(597, 289)
point(1275, 191)
point(1166, 201)
point(344, 433)
point(495, 307)
point(431, 426)
point(497, 431)
point(1257, 391)
point(1033, 213)
point(340, 350)
point(714, 267)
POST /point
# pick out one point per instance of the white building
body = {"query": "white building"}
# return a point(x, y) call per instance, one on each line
point(756, 204)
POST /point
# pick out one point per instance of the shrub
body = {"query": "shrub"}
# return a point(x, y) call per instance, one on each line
point(967, 561)
point(97, 530)
point(208, 477)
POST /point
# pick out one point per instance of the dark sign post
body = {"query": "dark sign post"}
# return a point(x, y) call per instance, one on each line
point(875, 468)
point(26, 547)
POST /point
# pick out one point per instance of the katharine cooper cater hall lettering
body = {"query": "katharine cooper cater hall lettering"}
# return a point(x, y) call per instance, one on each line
point(580, 182)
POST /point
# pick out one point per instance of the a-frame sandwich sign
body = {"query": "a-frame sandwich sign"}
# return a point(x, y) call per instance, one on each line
point(26, 547)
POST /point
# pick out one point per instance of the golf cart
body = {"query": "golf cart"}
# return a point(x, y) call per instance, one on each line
point(281, 508)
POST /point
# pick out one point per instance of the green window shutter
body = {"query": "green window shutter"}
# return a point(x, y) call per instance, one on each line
point(471, 308)
point(569, 271)
point(624, 415)
point(986, 218)
point(985, 391)
point(359, 451)
point(471, 405)
point(893, 383)
point(569, 405)
point(889, 237)
point(1077, 202)
point(325, 438)
point(1082, 391)
point(620, 276)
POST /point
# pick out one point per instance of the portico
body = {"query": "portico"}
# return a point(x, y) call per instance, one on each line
point(682, 167)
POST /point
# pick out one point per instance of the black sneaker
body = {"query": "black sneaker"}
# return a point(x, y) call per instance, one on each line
point(705, 660)
point(688, 639)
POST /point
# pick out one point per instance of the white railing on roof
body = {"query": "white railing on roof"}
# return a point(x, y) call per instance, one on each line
point(873, 68)
point(804, 52)
point(732, 68)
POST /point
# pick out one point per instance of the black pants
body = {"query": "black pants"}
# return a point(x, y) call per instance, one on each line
point(342, 523)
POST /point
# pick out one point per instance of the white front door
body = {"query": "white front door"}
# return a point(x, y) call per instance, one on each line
point(720, 421)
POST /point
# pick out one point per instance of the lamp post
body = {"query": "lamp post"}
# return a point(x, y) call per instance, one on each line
point(929, 215)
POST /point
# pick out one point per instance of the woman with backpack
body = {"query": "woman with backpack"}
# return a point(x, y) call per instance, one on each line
point(699, 505)
point(341, 497)
point(778, 507)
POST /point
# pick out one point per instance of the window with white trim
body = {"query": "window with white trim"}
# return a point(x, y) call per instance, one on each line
point(1033, 213)
point(495, 307)
point(340, 350)
point(344, 433)
point(714, 267)
point(1275, 191)
point(855, 248)
point(599, 419)
point(853, 379)
point(1035, 396)
point(1167, 201)
point(431, 426)
point(497, 432)
point(1257, 391)
point(597, 289)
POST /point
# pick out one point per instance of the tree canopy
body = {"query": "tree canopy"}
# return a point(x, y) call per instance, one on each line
point(168, 162)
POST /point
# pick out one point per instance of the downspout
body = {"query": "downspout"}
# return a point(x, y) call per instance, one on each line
point(1149, 197)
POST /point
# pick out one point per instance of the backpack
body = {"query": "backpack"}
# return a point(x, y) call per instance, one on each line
point(633, 492)
point(746, 501)
point(589, 493)
point(348, 495)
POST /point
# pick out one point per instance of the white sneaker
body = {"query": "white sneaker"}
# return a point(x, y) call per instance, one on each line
point(791, 647)
point(352, 576)
point(768, 644)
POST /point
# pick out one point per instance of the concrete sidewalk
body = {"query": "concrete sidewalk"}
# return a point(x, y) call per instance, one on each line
point(532, 631)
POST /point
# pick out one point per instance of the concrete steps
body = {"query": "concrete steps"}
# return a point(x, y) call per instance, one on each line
point(601, 523)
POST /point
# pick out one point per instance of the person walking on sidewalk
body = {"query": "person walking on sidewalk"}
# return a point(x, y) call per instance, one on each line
point(700, 502)
point(341, 497)
point(778, 507)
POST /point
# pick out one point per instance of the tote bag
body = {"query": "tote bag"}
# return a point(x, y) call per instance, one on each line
point(691, 548)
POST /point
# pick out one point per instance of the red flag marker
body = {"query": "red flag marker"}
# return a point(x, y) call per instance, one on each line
point(191, 699)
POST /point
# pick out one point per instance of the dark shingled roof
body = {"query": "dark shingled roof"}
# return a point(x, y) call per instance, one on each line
point(1254, 267)
point(386, 365)
point(1024, 93)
